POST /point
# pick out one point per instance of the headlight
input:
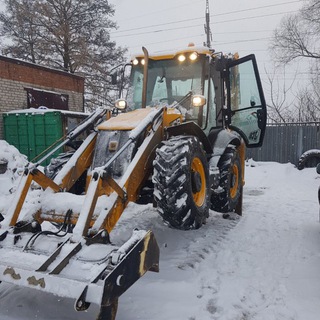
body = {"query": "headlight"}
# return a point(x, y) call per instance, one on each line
point(193, 56)
point(138, 61)
point(121, 104)
point(182, 57)
point(198, 101)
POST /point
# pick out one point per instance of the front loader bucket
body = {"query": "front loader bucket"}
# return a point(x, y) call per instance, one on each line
point(88, 271)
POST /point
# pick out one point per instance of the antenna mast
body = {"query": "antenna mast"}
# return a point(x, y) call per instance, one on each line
point(207, 26)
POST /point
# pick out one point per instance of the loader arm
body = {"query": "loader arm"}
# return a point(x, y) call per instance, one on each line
point(118, 193)
point(127, 189)
point(52, 264)
point(79, 162)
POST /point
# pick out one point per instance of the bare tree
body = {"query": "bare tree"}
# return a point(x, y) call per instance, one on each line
point(279, 111)
point(308, 99)
point(72, 35)
point(299, 34)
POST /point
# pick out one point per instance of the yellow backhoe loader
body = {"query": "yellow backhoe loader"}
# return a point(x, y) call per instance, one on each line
point(176, 137)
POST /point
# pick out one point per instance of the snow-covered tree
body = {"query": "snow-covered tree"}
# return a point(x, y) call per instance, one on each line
point(72, 35)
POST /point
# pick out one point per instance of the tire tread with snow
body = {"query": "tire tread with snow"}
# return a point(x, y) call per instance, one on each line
point(223, 200)
point(176, 182)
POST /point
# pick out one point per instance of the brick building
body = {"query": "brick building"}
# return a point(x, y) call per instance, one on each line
point(26, 85)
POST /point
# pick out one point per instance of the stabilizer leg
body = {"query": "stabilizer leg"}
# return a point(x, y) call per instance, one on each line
point(108, 312)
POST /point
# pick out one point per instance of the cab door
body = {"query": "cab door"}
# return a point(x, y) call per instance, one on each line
point(246, 107)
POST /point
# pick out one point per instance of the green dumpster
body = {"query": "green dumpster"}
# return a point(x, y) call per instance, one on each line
point(34, 131)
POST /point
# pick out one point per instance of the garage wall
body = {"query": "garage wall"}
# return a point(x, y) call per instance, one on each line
point(17, 76)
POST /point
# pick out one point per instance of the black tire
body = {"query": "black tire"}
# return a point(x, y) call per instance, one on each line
point(181, 182)
point(226, 197)
point(309, 159)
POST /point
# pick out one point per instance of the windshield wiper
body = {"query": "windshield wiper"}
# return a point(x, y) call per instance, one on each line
point(177, 104)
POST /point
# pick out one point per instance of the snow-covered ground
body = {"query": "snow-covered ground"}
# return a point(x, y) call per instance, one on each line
point(262, 266)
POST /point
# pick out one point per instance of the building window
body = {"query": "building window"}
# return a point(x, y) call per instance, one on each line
point(41, 98)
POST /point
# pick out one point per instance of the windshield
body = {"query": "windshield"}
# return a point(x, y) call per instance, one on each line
point(170, 82)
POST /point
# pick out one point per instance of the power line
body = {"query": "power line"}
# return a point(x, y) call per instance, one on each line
point(213, 15)
point(156, 31)
point(256, 17)
point(250, 9)
point(155, 25)
point(171, 40)
point(217, 33)
point(246, 40)
point(242, 32)
point(202, 34)
point(163, 10)
point(194, 26)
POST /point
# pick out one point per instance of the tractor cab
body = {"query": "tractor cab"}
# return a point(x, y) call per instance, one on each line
point(178, 81)
point(212, 90)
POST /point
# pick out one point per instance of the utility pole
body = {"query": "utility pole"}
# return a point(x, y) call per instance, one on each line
point(207, 26)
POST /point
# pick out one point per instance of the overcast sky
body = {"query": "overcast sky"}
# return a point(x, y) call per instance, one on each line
point(237, 26)
point(243, 26)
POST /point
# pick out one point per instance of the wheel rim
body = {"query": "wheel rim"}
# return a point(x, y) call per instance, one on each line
point(199, 197)
point(234, 181)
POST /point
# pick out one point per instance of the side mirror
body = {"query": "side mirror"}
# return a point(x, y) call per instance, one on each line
point(114, 78)
point(318, 168)
point(252, 103)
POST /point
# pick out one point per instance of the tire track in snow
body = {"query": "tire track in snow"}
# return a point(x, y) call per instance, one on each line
point(182, 253)
point(208, 239)
point(252, 274)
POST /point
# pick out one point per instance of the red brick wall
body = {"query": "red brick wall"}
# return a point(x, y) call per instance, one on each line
point(12, 69)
